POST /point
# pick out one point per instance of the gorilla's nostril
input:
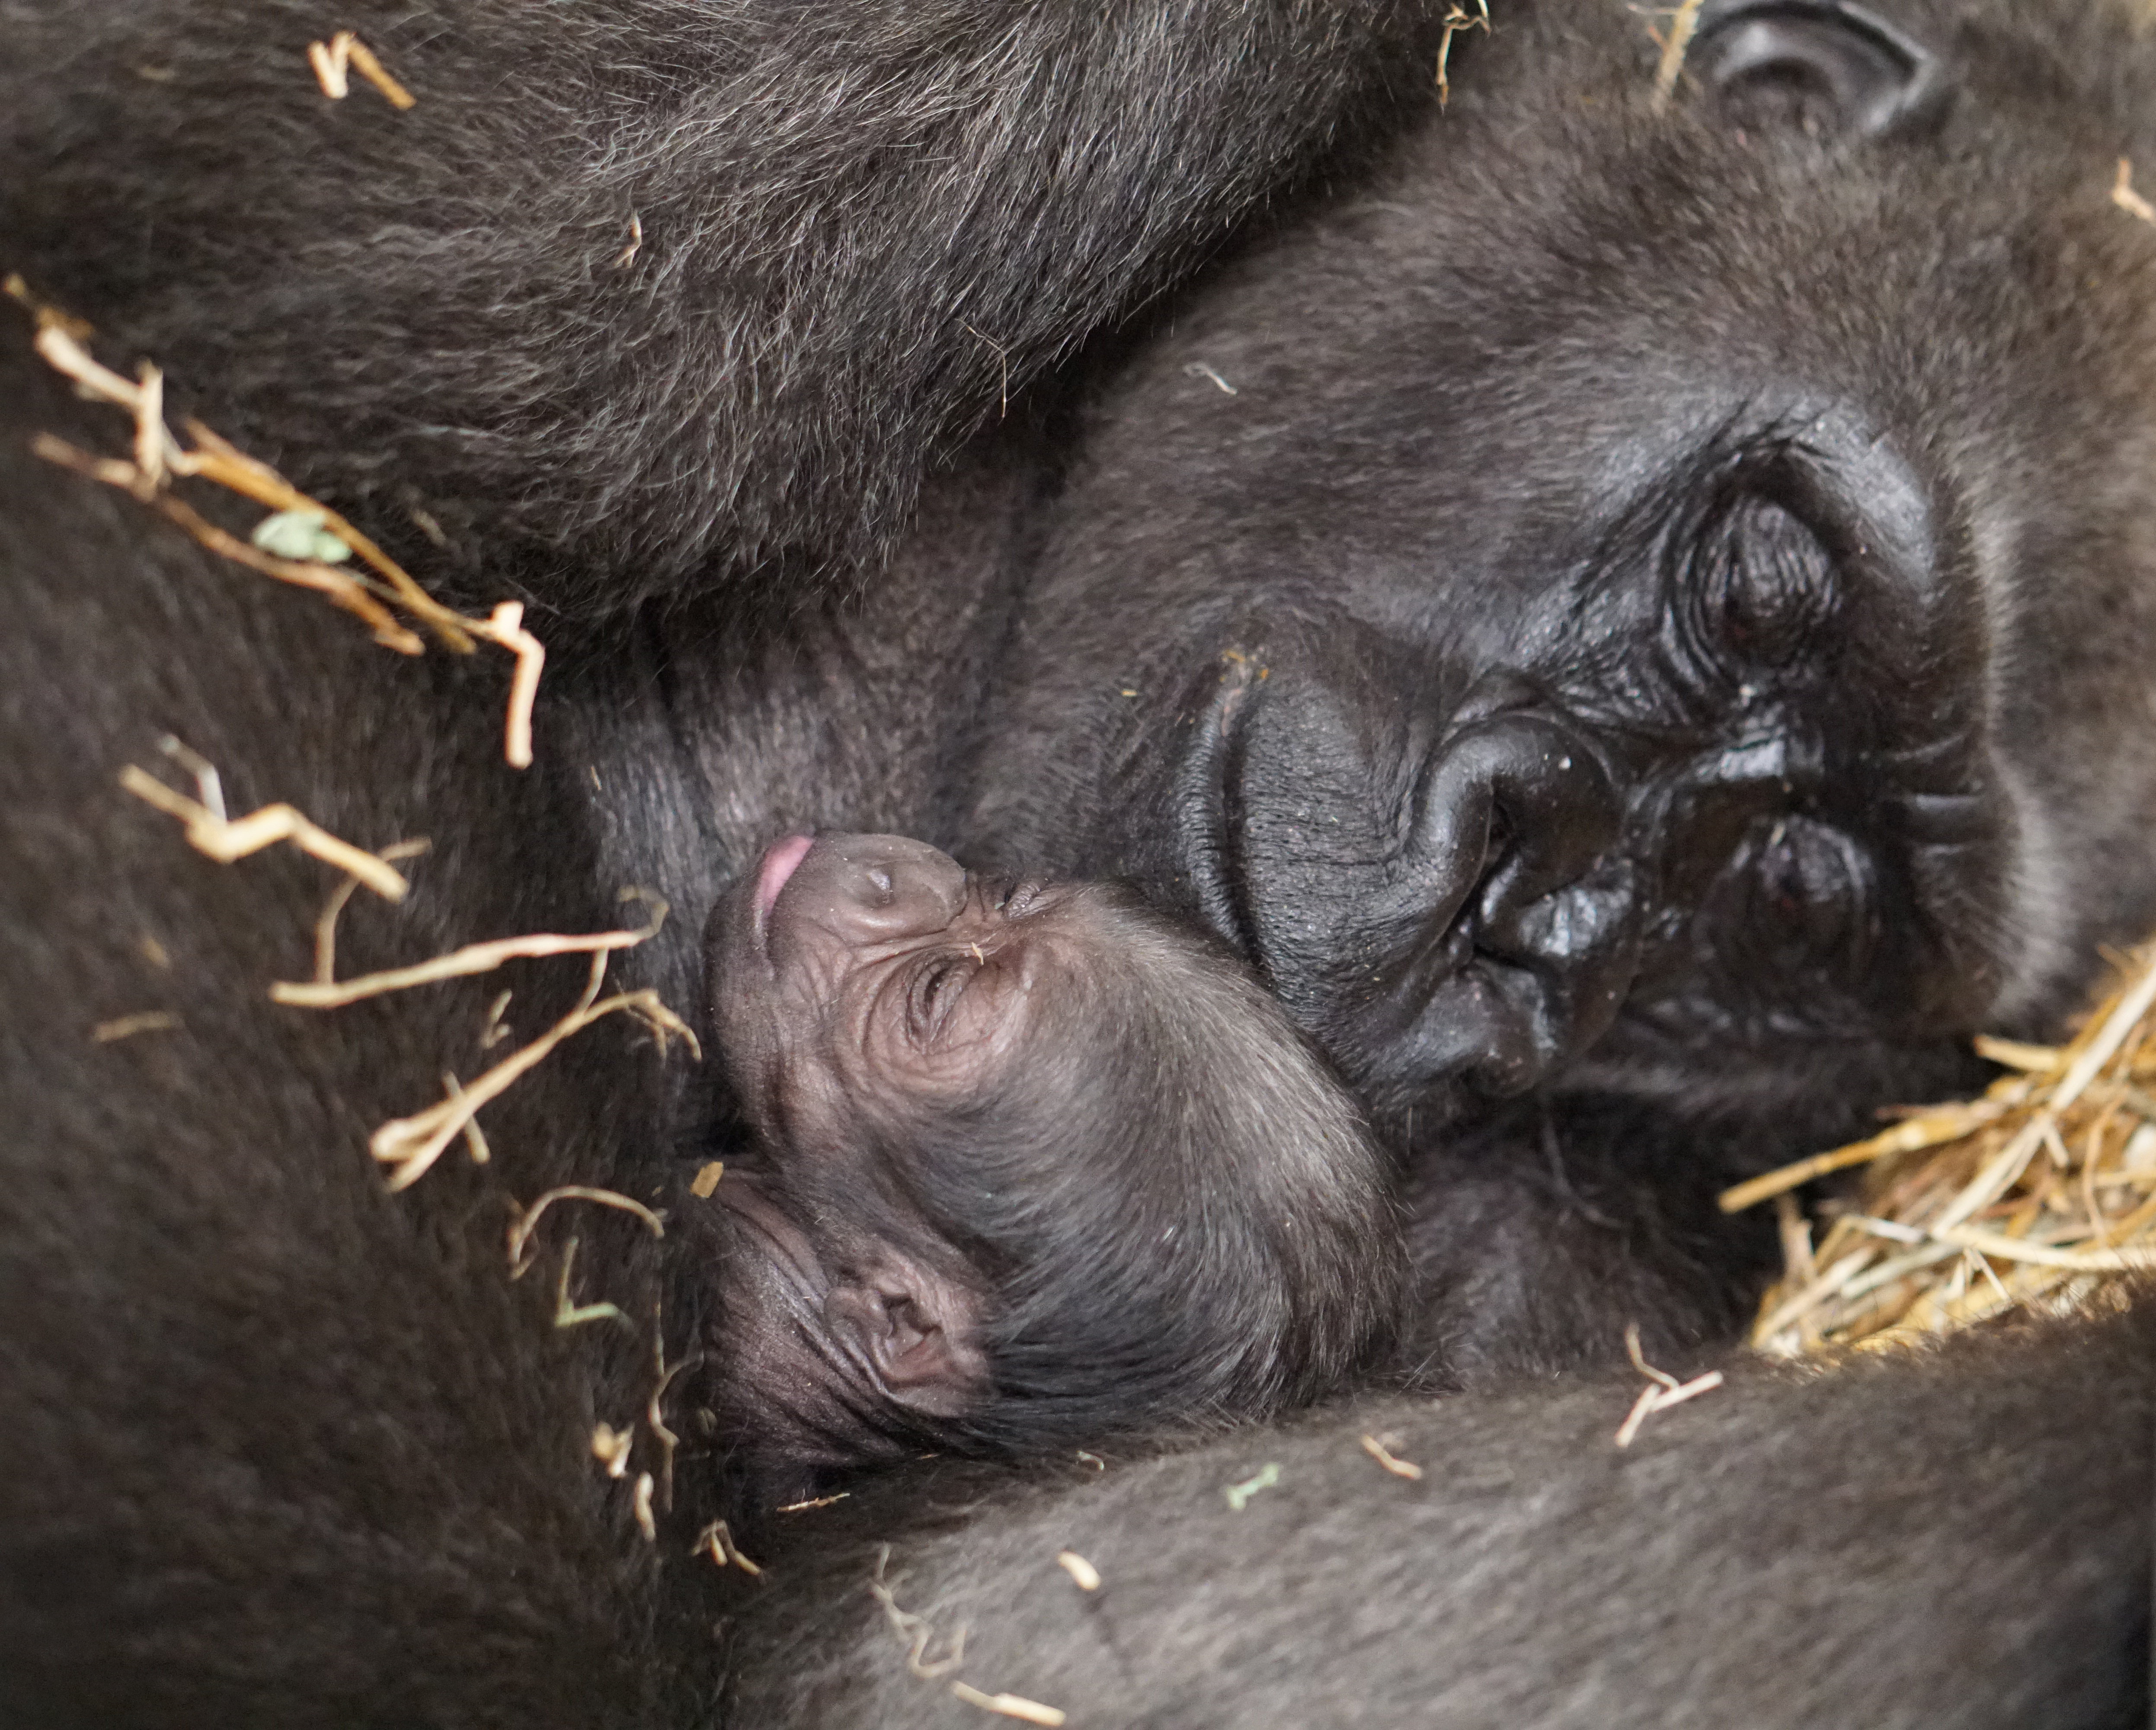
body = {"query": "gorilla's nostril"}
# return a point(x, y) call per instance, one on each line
point(1514, 928)
point(1440, 892)
point(1510, 810)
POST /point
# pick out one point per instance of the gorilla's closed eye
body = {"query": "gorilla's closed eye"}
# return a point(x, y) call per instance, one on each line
point(1762, 586)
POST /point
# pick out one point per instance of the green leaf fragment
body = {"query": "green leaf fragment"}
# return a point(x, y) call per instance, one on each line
point(299, 535)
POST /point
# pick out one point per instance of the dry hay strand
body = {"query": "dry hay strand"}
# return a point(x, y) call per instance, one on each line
point(2037, 1196)
point(526, 1221)
point(226, 839)
point(611, 1447)
point(718, 1543)
point(568, 1313)
point(916, 1632)
point(1674, 44)
point(1663, 1390)
point(654, 1408)
point(504, 627)
point(326, 992)
point(410, 1146)
point(2126, 198)
point(325, 924)
point(157, 459)
point(812, 1502)
point(334, 61)
point(1083, 1573)
point(1456, 19)
point(125, 1027)
point(1010, 1706)
point(1380, 1449)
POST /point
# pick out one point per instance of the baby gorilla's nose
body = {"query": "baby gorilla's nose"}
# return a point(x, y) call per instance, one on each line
point(872, 888)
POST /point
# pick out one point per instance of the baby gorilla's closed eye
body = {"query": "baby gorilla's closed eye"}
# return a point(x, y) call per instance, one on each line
point(1017, 1165)
point(939, 984)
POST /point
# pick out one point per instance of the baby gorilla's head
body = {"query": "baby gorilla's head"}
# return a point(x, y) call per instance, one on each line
point(1027, 1163)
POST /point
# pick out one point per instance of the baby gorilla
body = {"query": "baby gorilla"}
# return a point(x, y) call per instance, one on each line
point(1026, 1164)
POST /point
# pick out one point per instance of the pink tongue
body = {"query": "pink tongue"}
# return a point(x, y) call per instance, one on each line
point(779, 864)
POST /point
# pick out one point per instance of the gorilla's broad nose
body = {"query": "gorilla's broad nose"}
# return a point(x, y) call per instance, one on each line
point(1476, 922)
point(1507, 940)
point(871, 888)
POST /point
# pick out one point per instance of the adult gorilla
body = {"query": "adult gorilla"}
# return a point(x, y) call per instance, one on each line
point(1659, 633)
point(1650, 614)
point(291, 1450)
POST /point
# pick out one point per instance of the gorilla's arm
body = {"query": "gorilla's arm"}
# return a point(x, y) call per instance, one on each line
point(1963, 1541)
point(281, 1448)
point(640, 293)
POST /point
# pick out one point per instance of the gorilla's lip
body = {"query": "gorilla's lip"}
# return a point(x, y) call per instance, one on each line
point(780, 862)
point(1207, 807)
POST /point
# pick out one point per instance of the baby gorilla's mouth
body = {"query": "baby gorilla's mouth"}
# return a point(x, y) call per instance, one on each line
point(779, 865)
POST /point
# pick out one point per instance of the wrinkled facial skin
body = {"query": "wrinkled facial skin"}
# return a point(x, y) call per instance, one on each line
point(856, 966)
point(1667, 615)
point(1024, 1166)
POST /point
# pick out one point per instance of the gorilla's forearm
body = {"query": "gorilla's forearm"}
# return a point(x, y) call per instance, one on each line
point(1960, 1540)
point(311, 1457)
point(856, 229)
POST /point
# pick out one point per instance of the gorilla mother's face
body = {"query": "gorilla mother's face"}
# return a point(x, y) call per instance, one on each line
point(1667, 611)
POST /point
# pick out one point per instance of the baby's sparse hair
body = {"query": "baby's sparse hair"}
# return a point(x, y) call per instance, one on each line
point(1189, 1210)
point(1114, 1189)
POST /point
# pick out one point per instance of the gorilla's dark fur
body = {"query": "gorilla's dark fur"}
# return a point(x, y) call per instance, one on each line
point(861, 227)
point(286, 1450)
point(312, 1457)
point(1895, 1546)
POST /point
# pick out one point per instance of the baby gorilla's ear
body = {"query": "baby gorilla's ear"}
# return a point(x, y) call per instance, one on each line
point(915, 1332)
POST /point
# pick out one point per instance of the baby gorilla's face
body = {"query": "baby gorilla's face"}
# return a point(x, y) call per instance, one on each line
point(855, 970)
